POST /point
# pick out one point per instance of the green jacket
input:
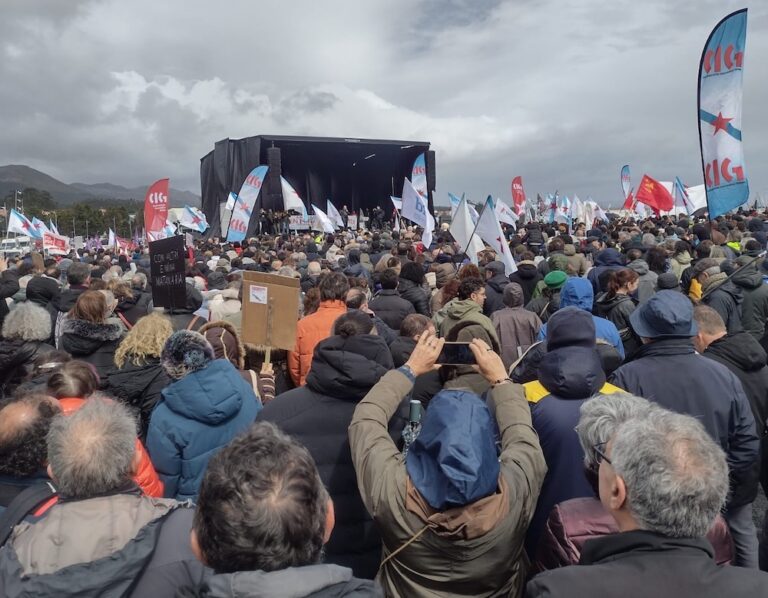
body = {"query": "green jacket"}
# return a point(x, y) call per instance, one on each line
point(463, 311)
point(476, 550)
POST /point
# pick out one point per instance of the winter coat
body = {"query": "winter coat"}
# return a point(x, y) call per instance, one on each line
point(140, 387)
point(517, 329)
point(412, 292)
point(475, 550)
point(224, 304)
point(646, 284)
point(318, 415)
point(494, 293)
point(544, 305)
point(118, 545)
point(726, 300)
point(183, 317)
point(391, 307)
point(527, 370)
point(92, 342)
point(308, 282)
point(574, 522)
point(9, 286)
point(463, 311)
point(197, 415)
point(567, 378)
point(310, 330)
point(754, 308)
point(145, 477)
point(577, 262)
point(576, 292)
point(444, 273)
point(16, 357)
point(60, 307)
point(527, 276)
point(43, 290)
point(134, 307)
point(617, 310)
point(670, 373)
point(679, 263)
point(311, 581)
point(622, 562)
point(607, 260)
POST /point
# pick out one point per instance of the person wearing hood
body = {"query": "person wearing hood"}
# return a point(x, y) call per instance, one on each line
point(647, 279)
point(411, 287)
point(468, 307)
point(616, 305)
point(207, 405)
point(681, 258)
point(140, 378)
point(131, 304)
point(453, 512)
point(495, 281)
point(744, 356)
point(577, 261)
point(578, 292)
point(548, 302)
point(606, 260)
point(568, 374)
point(355, 268)
point(388, 304)
point(344, 369)
point(719, 293)
point(516, 327)
point(25, 334)
point(754, 308)
point(89, 334)
point(668, 371)
point(43, 290)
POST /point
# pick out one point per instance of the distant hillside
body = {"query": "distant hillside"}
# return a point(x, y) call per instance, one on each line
point(13, 177)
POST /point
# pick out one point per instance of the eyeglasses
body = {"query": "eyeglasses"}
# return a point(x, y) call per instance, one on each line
point(601, 456)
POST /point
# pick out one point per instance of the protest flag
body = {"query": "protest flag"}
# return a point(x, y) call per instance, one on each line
point(463, 228)
point(653, 194)
point(518, 194)
point(245, 203)
point(322, 222)
point(334, 215)
point(18, 223)
point(489, 230)
point(156, 206)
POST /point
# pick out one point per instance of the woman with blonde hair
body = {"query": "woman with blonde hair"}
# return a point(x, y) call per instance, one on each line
point(139, 377)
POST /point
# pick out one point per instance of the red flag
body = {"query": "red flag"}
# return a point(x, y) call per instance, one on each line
point(156, 206)
point(652, 193)
point(518, 195)
point(629, 201)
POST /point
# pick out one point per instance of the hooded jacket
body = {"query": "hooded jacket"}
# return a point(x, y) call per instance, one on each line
point(317, 415)
point(577, 262)
point(754, 308)
point(415, 294)
point(617, 310)
point(92, 342)
point(527, 276)
point(466, 310)
point(310, 330)
point(605, 261)
point(679, 263)
point(517, 329)
point(646, 285)
point(391, 307)
point(494, 293)
point(118, 545)
point(726, 299)
point(312, 581)
point(196, 416)
point(471, 550)
point(577, 292)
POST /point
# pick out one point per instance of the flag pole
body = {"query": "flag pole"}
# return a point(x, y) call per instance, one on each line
point(469, 242)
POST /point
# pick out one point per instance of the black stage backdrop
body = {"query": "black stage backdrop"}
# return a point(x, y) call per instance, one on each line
point(358, 173)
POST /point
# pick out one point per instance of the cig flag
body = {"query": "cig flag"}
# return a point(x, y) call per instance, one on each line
point(626, 181)
point(419, 175)
point(156, 206)
point(720, 94)
point(489, 229)
point(518, 194)
point(245, 202)
point(334, 215)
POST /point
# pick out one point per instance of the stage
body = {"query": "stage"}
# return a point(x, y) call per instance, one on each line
point(358, 173)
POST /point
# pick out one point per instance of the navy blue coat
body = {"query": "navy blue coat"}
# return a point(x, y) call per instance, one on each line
point(567, 378)
point(197, 416)
point(670, 373)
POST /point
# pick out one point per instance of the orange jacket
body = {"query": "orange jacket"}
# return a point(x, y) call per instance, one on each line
point(146, 476)
point(310, 331)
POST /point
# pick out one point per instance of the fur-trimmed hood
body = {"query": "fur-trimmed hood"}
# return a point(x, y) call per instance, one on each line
point(83, 338)
point(225, 341)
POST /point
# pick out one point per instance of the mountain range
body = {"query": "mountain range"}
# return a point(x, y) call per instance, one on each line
point(19, 177)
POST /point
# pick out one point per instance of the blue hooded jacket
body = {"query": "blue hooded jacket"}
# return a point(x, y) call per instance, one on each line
point(198, 414)
point(578, 292)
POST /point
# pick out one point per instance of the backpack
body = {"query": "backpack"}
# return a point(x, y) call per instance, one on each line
point(27, 502)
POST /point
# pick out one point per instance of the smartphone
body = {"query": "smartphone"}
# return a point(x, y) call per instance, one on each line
point(456, 354)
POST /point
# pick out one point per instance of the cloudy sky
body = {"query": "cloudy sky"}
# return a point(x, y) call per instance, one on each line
point(560, 92)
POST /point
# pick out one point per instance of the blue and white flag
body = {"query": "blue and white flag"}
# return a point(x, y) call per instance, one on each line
point(40, 227)
point(720, 94)
point(245, 203)
point(626, 180)
point(415, 208)
point(455, 202)
point(53, 228)
point(18, 223)
point(681, 195)
point(397, 202)
point(194, 219)
point(419, 175)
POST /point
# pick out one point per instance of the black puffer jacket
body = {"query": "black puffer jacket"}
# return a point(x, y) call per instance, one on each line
point(139, 386)
point(412, 292)
point(134, 307)
point(494, 293)
point(91, 342)
point(16, 357)
point(184, 318)
point(527, 276)
point(318, 415)
point(391, 307)
point(726, 300)
point(754, 309)
point(9, 286)
point(617, 309)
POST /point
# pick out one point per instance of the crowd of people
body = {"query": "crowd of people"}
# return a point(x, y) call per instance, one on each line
point(603, 434)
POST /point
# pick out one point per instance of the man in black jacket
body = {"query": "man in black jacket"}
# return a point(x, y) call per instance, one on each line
point(388, 304)
point(495, 281)
point(9, 286)
point(664, 481)
point(667, 371)
point(719, 293)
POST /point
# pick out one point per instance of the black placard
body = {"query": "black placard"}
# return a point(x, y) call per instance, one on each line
point(167, 272)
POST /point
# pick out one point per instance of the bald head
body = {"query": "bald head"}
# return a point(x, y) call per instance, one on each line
point(24, 424)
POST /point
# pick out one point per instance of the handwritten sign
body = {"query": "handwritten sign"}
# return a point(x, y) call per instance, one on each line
point(167, 272)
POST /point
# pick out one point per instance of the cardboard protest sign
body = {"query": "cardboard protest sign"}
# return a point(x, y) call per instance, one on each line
point(167, 272)
point(270, 309)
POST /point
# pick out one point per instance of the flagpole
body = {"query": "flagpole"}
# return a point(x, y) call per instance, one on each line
point(469, 242)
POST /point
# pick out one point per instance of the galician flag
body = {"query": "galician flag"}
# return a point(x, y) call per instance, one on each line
point(334, 216)
point(40, 227)
point(489, 229)
point(322, 222)
point(18, 223)
point(53, 228)
point(194, 219)
point(462, 229)
point(505, 214)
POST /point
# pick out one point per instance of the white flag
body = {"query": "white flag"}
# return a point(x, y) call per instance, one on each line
point(397, 223)
point(397, 202)
point(415, 208)
point(489, 229)
point(291, 199)
point(231, 201)
point(334, 215)
point(322, 221)
point(462, 228)
point(505, 213)
point(111, 239)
